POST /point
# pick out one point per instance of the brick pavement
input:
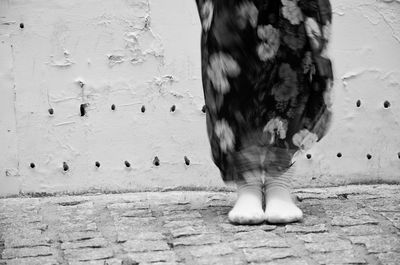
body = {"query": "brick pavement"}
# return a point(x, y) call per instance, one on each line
point(343, 225)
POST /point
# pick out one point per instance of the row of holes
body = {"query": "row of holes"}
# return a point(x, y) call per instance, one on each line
point(82, 109)
point(156, 161)
point(386, 105)
point(369, 156)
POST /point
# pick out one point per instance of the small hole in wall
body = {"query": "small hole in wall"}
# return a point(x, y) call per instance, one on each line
point(203, 109)
point(308, 156)
point(369, 156)
point(339, 155)
point(386, 104)
point(51, 111)
point(398, 155)
point(32, 165)
point(358, 103)
point(97, 164)
point(21, 25)
point(156, 161)
point(143, 109)
point(173, 108)
point(83, 109)
point(112, 107)
point(65, 166)
point(187, 161)
point(127, 164)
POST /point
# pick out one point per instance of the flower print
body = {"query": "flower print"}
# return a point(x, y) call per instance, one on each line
point(221, 66)
point(288, 87)
point(327, 94)
point(307, 62)
point(327, 31)
point(276, 126)
point(313, 32)
point(304, 139)
point(294, 37)
point(247, 12)
point(308, 66)
point(291, 11)
point(207, 11)
point(225, 134)
point(268, 33)
point(265, 51)
point(270, 42)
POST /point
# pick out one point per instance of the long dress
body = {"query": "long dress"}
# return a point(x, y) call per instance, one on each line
point(267, 81)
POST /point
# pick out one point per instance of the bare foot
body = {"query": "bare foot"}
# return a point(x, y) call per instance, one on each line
point(280, 208)
point(247, 210)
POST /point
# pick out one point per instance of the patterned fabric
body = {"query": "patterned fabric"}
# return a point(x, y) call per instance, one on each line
point(266, 79)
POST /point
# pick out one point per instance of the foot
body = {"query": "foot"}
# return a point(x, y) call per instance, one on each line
point(247, 210)
point(280, 208)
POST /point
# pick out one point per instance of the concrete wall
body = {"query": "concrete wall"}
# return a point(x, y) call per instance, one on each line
point(136, 53)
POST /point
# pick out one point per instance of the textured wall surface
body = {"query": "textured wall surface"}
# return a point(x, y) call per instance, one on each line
point(87, 81)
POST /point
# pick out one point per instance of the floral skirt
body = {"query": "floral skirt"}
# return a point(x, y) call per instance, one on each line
point(266, 79)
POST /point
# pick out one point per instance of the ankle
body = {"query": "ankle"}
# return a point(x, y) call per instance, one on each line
point(278, 192)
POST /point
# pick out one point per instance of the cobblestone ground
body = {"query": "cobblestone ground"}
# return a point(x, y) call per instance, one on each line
point(346, 225)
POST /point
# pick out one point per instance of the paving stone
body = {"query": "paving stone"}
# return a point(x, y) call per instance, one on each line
point(389, 258)
point(17, 242)
point(258, 239)
point(91, 262)
point(306, 229)
point(122, 206)
point(123, 236)
point(338, 257)
point(349, 221)
point(48, 260)
point(38, 251)
point(328, 246)
point(311, 219)
point(318, 237)
point(378, 243)
point(204, 239)
point(26, 232)
point(187, 231)
point(135, 213)
point(211, 250)
point(90, 243)
point(154, 256)
point(219, 260)
point(393, 217)
point(260, 255)
point(88, 254)
point(245, 228)
point(144, 246)
point(384, 205)
point(134, 221)
point(177, 224)
point(75, 226)
point(307, 196)
point(359, 230)
point(79, 236)
point(288, 261)
point(255, 235)
point(182, 216)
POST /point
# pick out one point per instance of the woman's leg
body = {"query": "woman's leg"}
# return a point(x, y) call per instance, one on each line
point(248, 208)
point(280, 207)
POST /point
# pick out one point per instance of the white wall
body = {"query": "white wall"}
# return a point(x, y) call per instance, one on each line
point(147, 52)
